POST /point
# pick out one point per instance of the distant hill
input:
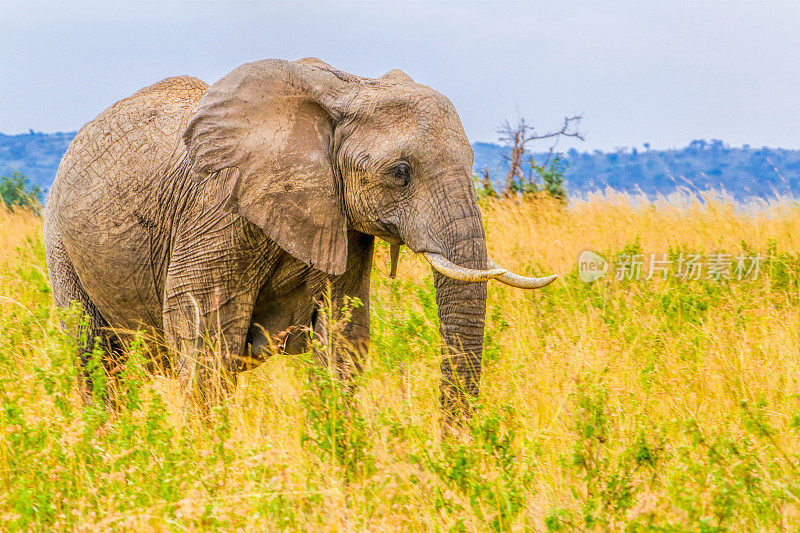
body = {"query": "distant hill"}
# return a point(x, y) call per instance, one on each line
point(744, 172)
point(34, 154)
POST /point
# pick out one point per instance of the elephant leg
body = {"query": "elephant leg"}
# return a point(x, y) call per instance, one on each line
point(207, 335)
point(93, 330)
point(342, 347)
point(218, 264)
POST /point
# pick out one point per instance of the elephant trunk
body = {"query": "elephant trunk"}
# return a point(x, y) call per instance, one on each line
point(462, 312)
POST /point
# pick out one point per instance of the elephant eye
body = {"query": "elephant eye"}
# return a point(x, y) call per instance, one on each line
point(402, 171)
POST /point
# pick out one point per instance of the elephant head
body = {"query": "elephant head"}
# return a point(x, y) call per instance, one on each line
point(311, 152)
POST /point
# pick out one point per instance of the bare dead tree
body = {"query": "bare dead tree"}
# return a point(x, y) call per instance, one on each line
point(518, 136)
point(486, 183)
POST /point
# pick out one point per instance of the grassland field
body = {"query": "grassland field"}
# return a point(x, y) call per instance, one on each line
point(635, 405)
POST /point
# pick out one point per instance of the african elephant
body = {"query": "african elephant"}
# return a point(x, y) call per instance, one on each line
point(226, 210)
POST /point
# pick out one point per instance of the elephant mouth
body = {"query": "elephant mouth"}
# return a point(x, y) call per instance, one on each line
point(394, 240)
point(390, 233)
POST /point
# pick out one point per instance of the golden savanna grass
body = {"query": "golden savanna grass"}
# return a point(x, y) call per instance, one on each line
point(15, 227)
point(644, 405)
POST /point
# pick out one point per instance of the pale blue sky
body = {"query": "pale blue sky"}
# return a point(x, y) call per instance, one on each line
point(663, 72)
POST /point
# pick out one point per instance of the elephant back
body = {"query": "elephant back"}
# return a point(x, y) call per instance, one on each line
point(134, 137)
point(116, 186)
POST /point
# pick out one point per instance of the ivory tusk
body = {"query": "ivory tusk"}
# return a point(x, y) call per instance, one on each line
point(522, 282)
point(454, 271)
point(394, 255)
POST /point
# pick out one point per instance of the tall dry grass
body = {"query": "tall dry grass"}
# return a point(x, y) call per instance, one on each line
point(644, 404)
point(16, 226)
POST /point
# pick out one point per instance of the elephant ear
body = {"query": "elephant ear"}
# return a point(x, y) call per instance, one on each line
point(266, 131)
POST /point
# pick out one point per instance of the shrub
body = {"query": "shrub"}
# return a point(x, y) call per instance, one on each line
point(17, 191)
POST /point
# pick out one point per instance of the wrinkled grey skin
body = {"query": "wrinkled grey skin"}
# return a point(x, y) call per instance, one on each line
point(224, 210)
